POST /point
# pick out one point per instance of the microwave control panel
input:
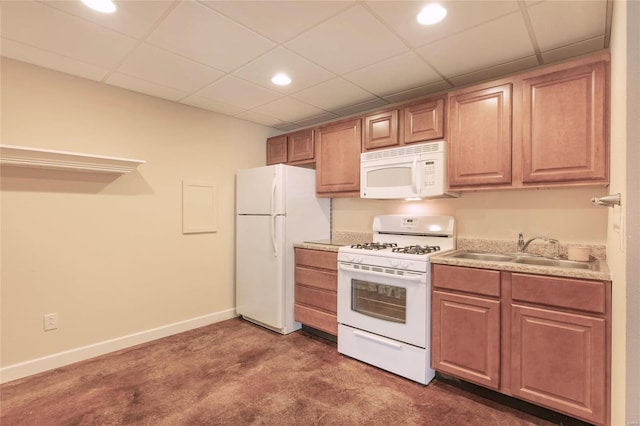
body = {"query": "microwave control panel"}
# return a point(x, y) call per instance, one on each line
point(429, 173)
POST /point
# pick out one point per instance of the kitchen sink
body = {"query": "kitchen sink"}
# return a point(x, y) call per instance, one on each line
point(526, 259)
point(483, 256)
point(558, 263)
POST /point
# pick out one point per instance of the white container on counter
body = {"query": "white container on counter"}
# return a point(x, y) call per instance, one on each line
point(579, 253)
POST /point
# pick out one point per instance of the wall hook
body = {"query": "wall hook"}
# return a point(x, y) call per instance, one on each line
point(608, 200)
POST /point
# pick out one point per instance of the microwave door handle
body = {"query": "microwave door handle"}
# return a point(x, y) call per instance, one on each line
point(414, 177)
point(379, 274)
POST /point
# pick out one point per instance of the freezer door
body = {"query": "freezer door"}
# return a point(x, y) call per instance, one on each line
point(260, 260)
point(260, 190)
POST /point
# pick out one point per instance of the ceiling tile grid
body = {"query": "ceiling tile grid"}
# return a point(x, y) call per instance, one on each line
point(344, 57)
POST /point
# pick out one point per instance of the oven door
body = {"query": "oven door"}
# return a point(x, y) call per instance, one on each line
point(385, 303)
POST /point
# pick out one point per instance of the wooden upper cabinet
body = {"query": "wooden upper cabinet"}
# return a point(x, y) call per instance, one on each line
point(338, 147)
point(423, 121)
point(300, 147)
point(293, 148)
point(564, 132)
point(381, 130)
point(480, 136)
point(277, 150)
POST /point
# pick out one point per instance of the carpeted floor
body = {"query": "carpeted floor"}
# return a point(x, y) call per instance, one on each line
point(236, 373)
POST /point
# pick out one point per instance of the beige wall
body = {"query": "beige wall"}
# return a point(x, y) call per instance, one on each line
point(615, 251)
point(109, 256)
point(623, 224)
point(564, 214)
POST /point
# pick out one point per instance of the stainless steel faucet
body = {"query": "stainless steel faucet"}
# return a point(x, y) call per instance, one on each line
point(522, 244)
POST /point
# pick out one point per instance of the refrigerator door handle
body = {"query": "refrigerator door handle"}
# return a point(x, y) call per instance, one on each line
point(274, 243)
point(273, 217)
point(273, 195)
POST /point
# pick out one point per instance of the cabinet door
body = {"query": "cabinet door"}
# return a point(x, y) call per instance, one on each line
point(564, 135)
point(423, 121)
point(338, 158)
point(559, 361)
point(277, 150)
point(300, 149)
point(381, 130)
point(466, 337)
point(480, 136)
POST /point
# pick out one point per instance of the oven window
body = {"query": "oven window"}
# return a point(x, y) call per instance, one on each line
point(381, 301)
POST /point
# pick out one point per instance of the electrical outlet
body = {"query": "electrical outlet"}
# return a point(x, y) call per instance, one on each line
point(50, 322)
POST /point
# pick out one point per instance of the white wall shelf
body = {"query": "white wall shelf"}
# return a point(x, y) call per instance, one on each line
point(12, 155)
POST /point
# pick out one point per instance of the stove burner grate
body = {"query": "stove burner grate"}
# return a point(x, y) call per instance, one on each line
point(374, 246)
point(416, 249)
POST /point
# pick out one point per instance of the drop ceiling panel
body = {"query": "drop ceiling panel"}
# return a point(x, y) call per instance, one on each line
point(289, 109)
point(46, 28)
point(133, 18)
point(383, 78)
point(199, 33)
point(334, 94)
point(493, 43)
point(461, 15)
point(211, 105)
point(564, 23)
point(576, 49)
point(302, 72)
point(240, 93)
point(494, 72)
point(279, 20)
point(260, 118)
point(427, 89)
point(345, 57)
point(176, 71)
point(145, 86)
point(48, 59)
point(351, 40)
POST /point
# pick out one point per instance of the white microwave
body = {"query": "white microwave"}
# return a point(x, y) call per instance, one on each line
point(409, 172)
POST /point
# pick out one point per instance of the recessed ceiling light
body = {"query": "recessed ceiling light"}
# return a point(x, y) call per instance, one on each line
point(281, 79)
point(431, 14)
point(104, 6)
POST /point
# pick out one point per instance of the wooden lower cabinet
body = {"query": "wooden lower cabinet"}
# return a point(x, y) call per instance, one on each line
point(316, 282)
point(557, 360)
point(542, 339)
point(466, 337)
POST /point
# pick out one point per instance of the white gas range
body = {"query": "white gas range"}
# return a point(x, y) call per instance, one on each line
point(384, 292)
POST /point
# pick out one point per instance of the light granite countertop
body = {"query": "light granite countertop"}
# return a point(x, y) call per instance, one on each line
point(603, 272)
point(597, 252)
point(338, 239)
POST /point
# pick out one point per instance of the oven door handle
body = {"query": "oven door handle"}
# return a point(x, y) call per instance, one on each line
point(377, 339)
point(380, 274)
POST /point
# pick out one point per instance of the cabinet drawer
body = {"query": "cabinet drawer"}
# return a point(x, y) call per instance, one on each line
point(477, 281)
point(317, 259)
point(326, 280)
point(583, 295)
point(325, 300)
point(316, 319)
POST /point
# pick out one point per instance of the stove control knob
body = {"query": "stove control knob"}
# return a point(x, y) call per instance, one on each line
point(404, 265)
point(359, 259)
point(350, 258)
point(394, 263)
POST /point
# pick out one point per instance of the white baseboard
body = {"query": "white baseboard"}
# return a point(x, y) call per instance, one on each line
point(60, 359)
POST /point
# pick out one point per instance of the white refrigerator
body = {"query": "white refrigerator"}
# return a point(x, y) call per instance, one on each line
point(276, 206)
